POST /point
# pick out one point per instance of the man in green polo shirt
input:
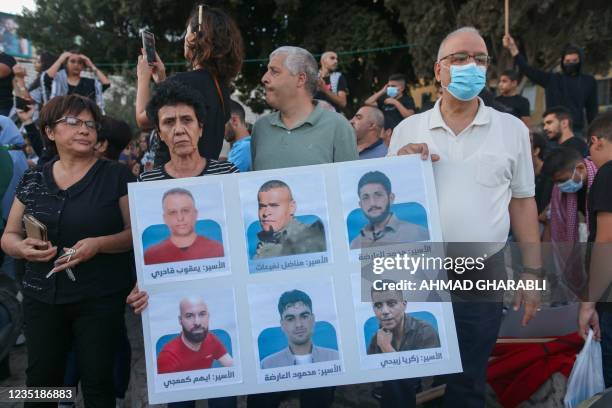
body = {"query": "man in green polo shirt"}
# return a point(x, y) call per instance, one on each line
point(299, 133)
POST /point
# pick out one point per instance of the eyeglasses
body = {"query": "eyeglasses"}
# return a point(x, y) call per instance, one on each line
point(77, 123)
point(461, 58)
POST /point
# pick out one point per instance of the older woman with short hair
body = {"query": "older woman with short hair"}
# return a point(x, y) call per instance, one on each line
point(76, 300)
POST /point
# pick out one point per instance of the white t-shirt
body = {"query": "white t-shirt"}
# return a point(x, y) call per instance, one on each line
point(301, 359)
point(479, 170)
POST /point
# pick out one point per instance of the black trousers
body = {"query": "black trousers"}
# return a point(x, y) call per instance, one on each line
point(92, 327)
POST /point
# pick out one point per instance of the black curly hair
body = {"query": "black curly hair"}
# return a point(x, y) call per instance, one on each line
point(171, 93)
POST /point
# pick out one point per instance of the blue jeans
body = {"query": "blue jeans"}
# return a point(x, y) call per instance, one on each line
point(605, 324)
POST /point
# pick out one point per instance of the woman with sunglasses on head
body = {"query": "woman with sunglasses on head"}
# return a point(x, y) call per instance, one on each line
point(75, 300)
point(65, 76)
point(214, 49)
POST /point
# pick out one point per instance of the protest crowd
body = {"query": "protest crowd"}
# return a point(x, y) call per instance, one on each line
point(67, 165)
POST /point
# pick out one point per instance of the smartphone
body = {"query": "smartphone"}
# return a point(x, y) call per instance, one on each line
point(34, 228)
point(23, 104)
point(148, 44)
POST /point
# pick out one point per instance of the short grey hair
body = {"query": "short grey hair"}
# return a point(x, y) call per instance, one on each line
point(178, 191)
point(467, 29)
point(298, 61)
point(376, 116)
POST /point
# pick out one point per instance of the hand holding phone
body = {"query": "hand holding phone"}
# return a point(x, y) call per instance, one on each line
point(148, 44)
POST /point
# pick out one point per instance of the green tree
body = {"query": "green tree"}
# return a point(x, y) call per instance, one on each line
point(108, 32)
point(542, 27)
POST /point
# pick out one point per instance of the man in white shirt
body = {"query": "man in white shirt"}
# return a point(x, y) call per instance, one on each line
point(484, 184)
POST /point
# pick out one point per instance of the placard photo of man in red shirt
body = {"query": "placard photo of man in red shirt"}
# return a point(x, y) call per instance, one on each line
point(184, 244)
point(195, 348)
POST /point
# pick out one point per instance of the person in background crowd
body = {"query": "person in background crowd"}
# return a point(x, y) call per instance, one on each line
point(286, 138)
point(6, 83)
point(599, 315)
point(467, 184)
point(114, 135)
point(332, 86)
point(543, 184)
point(136, 169)
point(76, 299)
point(238, 136)
point(569, 88)
point(31, 156)
point(31, 130)
point(179, 115)
point(573, 176)
point(65, 78)
point(508, 95)
point(393, 100)
point(40, 88)
point(214, 49)
point(12, 140)
point(431, 103)
point(386, 132)
point(558, 127)
point(368, 123)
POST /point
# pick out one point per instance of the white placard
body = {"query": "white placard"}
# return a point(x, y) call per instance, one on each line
point(244, 299)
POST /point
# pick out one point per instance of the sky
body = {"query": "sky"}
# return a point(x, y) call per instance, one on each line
point(15, 6)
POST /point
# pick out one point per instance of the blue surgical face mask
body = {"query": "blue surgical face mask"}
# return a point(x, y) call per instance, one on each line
point(571, 185)
point(392, 91)
point(466, 81)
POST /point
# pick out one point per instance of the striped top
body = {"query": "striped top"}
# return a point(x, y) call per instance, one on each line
point(213, 167)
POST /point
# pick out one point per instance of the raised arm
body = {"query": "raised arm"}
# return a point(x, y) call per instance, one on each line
point(99, 74)
point(373, 100)
point(145, 72)
point(538, 76)
point(57, 65)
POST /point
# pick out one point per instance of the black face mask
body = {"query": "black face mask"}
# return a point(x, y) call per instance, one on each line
point(571, 68)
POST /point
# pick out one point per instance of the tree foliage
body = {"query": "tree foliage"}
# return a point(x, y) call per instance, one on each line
point(542, 28)
point(108, 32)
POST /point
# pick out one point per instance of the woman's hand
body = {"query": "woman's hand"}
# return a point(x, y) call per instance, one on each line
point(29, 249)
point(158, 70)
point(65, 55)
point(87, 61)
point(85, 249)
point(138, 300)
point(155, 69)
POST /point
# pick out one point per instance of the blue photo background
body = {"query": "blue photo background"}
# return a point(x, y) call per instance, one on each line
point(272, 339)
point(222, 335)
point(255, 228)
point(155, 234)
point(371, 325)
point(410, 212)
